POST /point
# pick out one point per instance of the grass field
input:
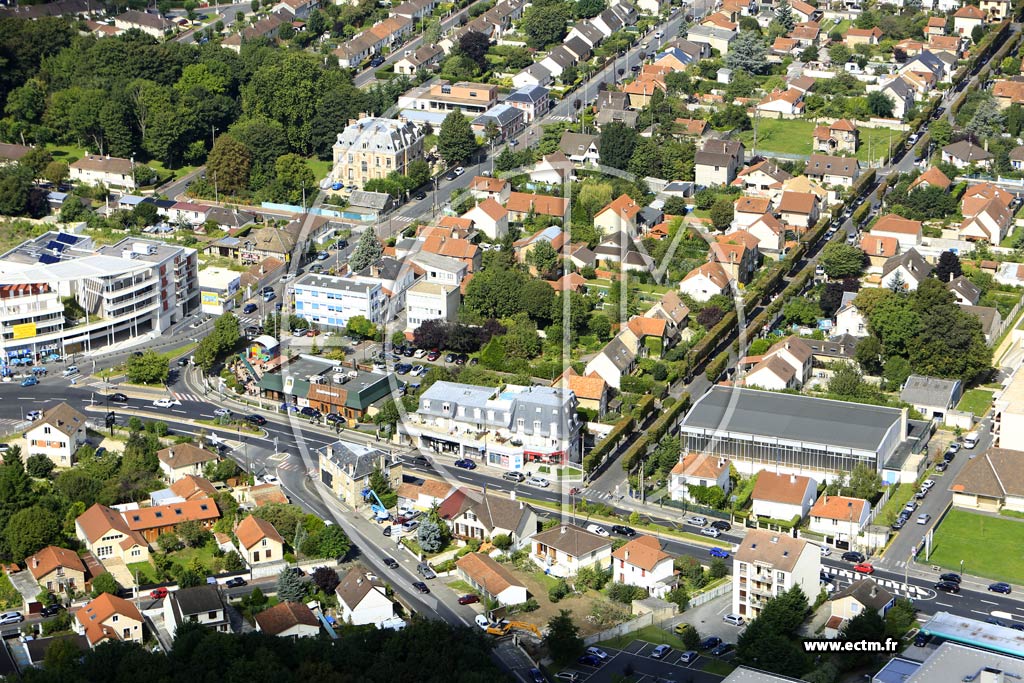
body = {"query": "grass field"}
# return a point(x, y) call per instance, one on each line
point(992, 547)
point(794, 136)
point(319, 167)
point(652, 634)
point(977, 401)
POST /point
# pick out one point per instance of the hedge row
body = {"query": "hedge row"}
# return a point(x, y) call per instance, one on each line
point(603, 449)
point(864, 181)
point(717, 366)
point(652, 436)
point(699, 353)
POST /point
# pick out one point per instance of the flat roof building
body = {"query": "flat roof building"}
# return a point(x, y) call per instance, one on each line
point(793, 433)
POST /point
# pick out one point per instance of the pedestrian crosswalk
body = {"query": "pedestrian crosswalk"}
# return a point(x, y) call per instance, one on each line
point(186, 396)
point(898, 587)
point(247, 320)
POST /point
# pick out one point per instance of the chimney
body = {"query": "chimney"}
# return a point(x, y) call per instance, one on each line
point(874, 589)
point(35, 562)
point(359, 581)
point(792, 479)
point(627, 556)
point(561, 529)
point(170, 453)
point(521, 505)
point(992, 675)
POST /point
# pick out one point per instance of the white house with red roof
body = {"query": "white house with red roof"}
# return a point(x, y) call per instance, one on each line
point(619, 216)
point(643, 563)
point(705, 281)
point(783, 496)
point(839, 518)
point(490, 218)
point(698, 469)
point(907, 232)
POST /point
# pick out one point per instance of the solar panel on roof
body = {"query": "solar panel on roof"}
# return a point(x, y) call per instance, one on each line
point(47, 258)
point(67, 239)
point(56, 246)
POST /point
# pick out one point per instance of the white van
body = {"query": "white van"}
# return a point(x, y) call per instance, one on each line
point(971, 440)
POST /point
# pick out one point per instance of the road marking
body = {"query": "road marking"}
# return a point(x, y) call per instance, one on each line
point(989, 602)
point(180, 412)
point(974, 611)
point(943, 604)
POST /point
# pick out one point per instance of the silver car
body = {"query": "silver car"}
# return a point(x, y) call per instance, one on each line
point(538, 481)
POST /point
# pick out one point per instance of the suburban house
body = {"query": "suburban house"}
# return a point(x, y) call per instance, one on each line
point(552, 169)
point(878, 250)
point(991, 481)
point(738, 254)
point(991, 222)
point(58, 434)
point(905, 271)
point(520, 205)
point(612, 363)
point(109, 618)
point(564, 550)
point(533, 100)
point(714, 37)
point(423, 58)
point(491, 579)
point(965, 291)
point(996, 10)
point(490, 218)
point(698, 469)
point(787, 364)
point(57, 570)
point(705, 281)
point(423, 494)
point(933, 177)
point(197, 605)
point(153, 521)
point(580, 148)
point(963, 154)
point(109, 171)
point(933, 397)
point(862, 36)
point(799, 209)
point(850, 320)
point(717, 162)
point(832, 170)
point(485, 187)
point(783, 496)
point(345, 468)
point(855, 599)
point(906, 232)
point(259, 541)
point(770, 235)
point(901, 94)
point(288, 620)
point(619, 216)
point(840, 519)
point(642, 563)
point(363, 598)
point(152, 24)
point(106, 534)
point(676, 315)
point(473, 515)
point(184, 459)
point(763, 178)
point(590, 389)
point(789, 102)
point(768, 563)
point(747, 209)
point(966, 19)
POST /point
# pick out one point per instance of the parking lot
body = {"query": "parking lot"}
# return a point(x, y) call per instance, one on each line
point(635, 659)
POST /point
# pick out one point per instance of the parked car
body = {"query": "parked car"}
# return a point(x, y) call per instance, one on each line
point(118, 398)
point(236, 582)
point(697, 521)
point(158, 593)
point(689, 657)
point(710, 642)
point(853, 556)
point(535, 675)
point(951, 576)
point(1000, 587)
point(538, 481)
point(928, 484)
point(597, 652)
point(424, 570)
point(718, 552)
point(947, 587)
point(942, 466)
point(11, 618)
point(721, 649)
point(468, 599)
point(311, 413)
point(826, 551)
point(597, 529)
point(661, 651)
point(863, 568)
point(589, 660)
point(422, 587)
point(954, 447)
point(923, 518)
point(721, 525)
point(570, 676)
point(710, 531)
point(410, 525)
point(222, 412)
point(433, 355)
point(466, 464)
point(921, 639)
point(623, 530)
point(517, 477)
point(51, 610)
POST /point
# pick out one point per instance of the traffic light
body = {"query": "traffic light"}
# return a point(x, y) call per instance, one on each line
point(110, 421)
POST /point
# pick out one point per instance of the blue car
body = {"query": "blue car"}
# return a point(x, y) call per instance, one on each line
point(29, 382)
point(589, 660)
point(718, 552)
point(1000, 587)
point(465, 464)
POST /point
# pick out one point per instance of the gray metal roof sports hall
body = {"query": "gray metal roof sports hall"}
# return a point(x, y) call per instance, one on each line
point(788, 429)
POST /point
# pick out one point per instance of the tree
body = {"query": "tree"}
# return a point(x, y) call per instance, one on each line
point(368, 250)
point(455, 141)
point(868, 355)
point(149, 368)
point(332, 541)
point(830, 299)
point(587, 9)
point(228, 164)
point(563, 640)
point(29, 530)
point(709, 316)
point(359, 326)
point(56, 172)
point(418, 172)
point(104, 583)
point(846, 381)
point(977, 33)
point(39, 466)
point(809, 54)
point(721, 214)
point(233, 562)
point(430, 537)
point(900, 617)
point(881, 105)
point(941, 132)
point(544, 258)
point(839, 54)
point(748, 53)
point(290, 586)
point(15, 190)
point(600, 326)
point(193, 534)
point(988, 120)
point(717, 569)
point(168, 542)
point(326, 579)
point(545, 24)
point(842, 260)
point(948, 268)
point(864, 483)
point(474, 45)
point(292, 177)
point(801, 311)
point(381, 485)
point(866, 626)
point(784, 15)
point(616, 144)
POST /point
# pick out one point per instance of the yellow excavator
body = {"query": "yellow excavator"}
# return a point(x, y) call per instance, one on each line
point(503, 628)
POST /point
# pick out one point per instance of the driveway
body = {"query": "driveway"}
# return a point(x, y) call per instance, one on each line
point(635, 660)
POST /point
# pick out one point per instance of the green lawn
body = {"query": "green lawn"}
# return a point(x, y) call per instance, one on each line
point(145, 572)
point(1010, 240)
point(652, 634)
point(895, 503)
point(319, 167)
point(795, 136)
point(976, 401)
point(187, 556)
point(992, 547)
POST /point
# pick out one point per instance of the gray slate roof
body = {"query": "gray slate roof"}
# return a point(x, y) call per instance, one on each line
point(930, 391)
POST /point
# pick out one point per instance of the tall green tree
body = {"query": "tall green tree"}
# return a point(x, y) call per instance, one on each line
point(616, 145)
point(228, 164)
point(881, 105)
point(546, 23)
point(455, 141)
point(784, 15)
point(368, 250)
point(748, 53)
point(563, 638)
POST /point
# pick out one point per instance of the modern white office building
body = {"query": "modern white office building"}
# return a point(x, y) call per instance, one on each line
point(431, 301)
point(332, 301)
point(59, 294)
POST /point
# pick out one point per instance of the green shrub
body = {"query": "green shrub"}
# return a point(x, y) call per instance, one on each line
point(624, 593)
point(558, 591)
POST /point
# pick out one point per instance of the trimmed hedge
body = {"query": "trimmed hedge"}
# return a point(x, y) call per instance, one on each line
point(603, 449)
point(653, 435)
point(717, 366)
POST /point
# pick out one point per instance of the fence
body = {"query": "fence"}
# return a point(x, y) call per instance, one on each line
point(622, 629)
point(708, 596)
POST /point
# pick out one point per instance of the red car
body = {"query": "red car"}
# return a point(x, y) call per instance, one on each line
point(158, 593)
point(864, 568)
point(468, 599)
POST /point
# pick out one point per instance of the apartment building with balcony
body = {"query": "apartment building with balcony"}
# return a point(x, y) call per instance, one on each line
point(505, 427)
point(472, 99)
point(59, 294)
point(329, 301)
point(768, 564)
point(1008, 417)
point(373, 147)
